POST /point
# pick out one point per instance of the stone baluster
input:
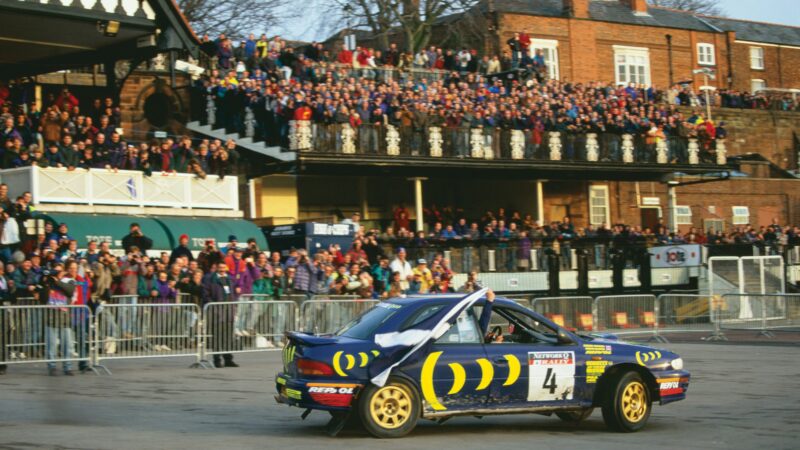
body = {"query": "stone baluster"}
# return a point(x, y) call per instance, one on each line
point(303, 135)
point(517, 144)
point(211, 111)
point(694, 152)
point(662, 153)
point(392, 141)
point(292, 135)
point(435, 141)
point(627, 148)
point(249, 122)
point(722, 152)
point(348, 140)
point(476, 142)
point(555, 146)
point(592, 147)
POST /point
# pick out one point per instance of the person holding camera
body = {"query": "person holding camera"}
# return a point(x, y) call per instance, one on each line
point(136, 239)
point(59, 290)
point(6, 297)
point(219, 287)
point(209, 257)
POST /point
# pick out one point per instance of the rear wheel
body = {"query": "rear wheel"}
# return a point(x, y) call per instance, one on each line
point(575, 416)
point(627, 405)
point(390, 411)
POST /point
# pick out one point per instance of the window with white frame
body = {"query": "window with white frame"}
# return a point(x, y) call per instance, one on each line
point(757, 58)
point(632, 65)
point(683, 215)
point(757, 85)
point(705, 54)
point(713, 225)
point(549, 49)
point(598, 205)
point(741, 215)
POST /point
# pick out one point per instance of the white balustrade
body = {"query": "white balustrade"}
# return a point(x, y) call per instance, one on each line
point(124, 188)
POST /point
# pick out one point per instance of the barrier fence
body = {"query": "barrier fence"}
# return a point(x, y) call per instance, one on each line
point(124, 328)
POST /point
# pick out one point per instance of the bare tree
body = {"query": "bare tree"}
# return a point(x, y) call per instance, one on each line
point(709, 7)
point(414, 19)
point(235, 18)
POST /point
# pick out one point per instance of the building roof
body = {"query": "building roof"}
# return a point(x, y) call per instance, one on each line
point(617, 12)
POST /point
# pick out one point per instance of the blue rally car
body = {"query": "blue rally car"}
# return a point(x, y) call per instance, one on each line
point(443, 356)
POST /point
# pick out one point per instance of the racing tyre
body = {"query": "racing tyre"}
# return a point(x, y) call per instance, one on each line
point(627, 404)
point(575, 416)
point(390, 411)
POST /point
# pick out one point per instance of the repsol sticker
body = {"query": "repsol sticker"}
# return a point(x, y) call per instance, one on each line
point(329, 390)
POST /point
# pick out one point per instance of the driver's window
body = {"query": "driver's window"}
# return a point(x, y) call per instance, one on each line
point(463, 331)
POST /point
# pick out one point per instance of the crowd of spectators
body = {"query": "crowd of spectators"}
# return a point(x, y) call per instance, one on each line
point(343, 90)
point(66, 134)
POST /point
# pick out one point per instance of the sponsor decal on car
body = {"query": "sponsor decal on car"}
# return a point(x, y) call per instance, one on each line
point(551, 376)
point(460, 377)
point(644, 357)
point(597, 349)
point(294, 394)
point(350, 361)
point(670, 386)
point(594, 369)
point(331, 394)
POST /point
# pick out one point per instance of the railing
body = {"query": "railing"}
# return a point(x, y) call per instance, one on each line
point(488, 143)
point(123, 187)
point(130, 8)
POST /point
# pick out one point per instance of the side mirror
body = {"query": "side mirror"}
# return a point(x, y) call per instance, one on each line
point(564, 338)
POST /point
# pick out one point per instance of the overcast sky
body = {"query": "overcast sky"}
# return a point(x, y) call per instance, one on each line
point(775, 11)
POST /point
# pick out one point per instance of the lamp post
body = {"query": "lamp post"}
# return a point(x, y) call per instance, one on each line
point(707, 74)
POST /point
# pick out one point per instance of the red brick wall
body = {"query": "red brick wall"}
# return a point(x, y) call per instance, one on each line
point(781, 66)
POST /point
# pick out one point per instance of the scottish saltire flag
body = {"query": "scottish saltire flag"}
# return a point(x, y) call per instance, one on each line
point(406, 345)
point(132, 187)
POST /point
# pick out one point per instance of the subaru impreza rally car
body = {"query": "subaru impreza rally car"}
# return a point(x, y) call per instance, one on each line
point(443, 356)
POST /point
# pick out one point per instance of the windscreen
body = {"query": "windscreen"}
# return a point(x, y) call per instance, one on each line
point(364, 326)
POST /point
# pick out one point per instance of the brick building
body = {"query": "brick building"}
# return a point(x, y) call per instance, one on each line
point(628, 41)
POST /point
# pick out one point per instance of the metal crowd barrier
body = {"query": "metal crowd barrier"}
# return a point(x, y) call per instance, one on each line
point(762, 313)
point(246, 326)
point(145, 330)
point(573, 313)
point(327, 316)
point(52, 334)
point(626, 314)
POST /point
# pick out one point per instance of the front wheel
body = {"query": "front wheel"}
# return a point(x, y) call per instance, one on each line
point(627, 406)
point(575, 416)
point(390, 411)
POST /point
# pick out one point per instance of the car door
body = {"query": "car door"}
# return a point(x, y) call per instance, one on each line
point(452, 375)
point(531, 367)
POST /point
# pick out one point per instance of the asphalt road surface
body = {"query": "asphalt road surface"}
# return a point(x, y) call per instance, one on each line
point(740, 397)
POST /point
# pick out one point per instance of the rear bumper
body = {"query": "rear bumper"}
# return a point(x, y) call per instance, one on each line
point(315, 394)
point(672, 385)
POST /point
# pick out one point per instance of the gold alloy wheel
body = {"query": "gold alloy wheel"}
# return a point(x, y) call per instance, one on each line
point(634, 402)
point(390, 407)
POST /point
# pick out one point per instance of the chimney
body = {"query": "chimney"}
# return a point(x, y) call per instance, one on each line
point(578, 9)
point(638, 6)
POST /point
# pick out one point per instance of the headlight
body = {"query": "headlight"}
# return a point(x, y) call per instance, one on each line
point(677, 364)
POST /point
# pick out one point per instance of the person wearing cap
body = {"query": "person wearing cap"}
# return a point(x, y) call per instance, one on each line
point(353, 220)
point(423, 273)
point(209, 256)
point(233, 243)
point(136, 239)
point(181, 250)
point(402, 267)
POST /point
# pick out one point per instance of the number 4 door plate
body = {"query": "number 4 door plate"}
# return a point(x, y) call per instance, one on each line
point(551, 376)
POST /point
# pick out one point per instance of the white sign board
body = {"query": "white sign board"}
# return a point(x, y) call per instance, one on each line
point(675, 256)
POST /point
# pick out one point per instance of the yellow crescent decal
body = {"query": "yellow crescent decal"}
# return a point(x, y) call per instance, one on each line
point(336, 366)
point(364, 359)
point(351, 361)
point(459, 377)
point(639, 358)
point(426, 380)
point(487, 373)
point(513, 369)
point(376, 353)
point(658, 354)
